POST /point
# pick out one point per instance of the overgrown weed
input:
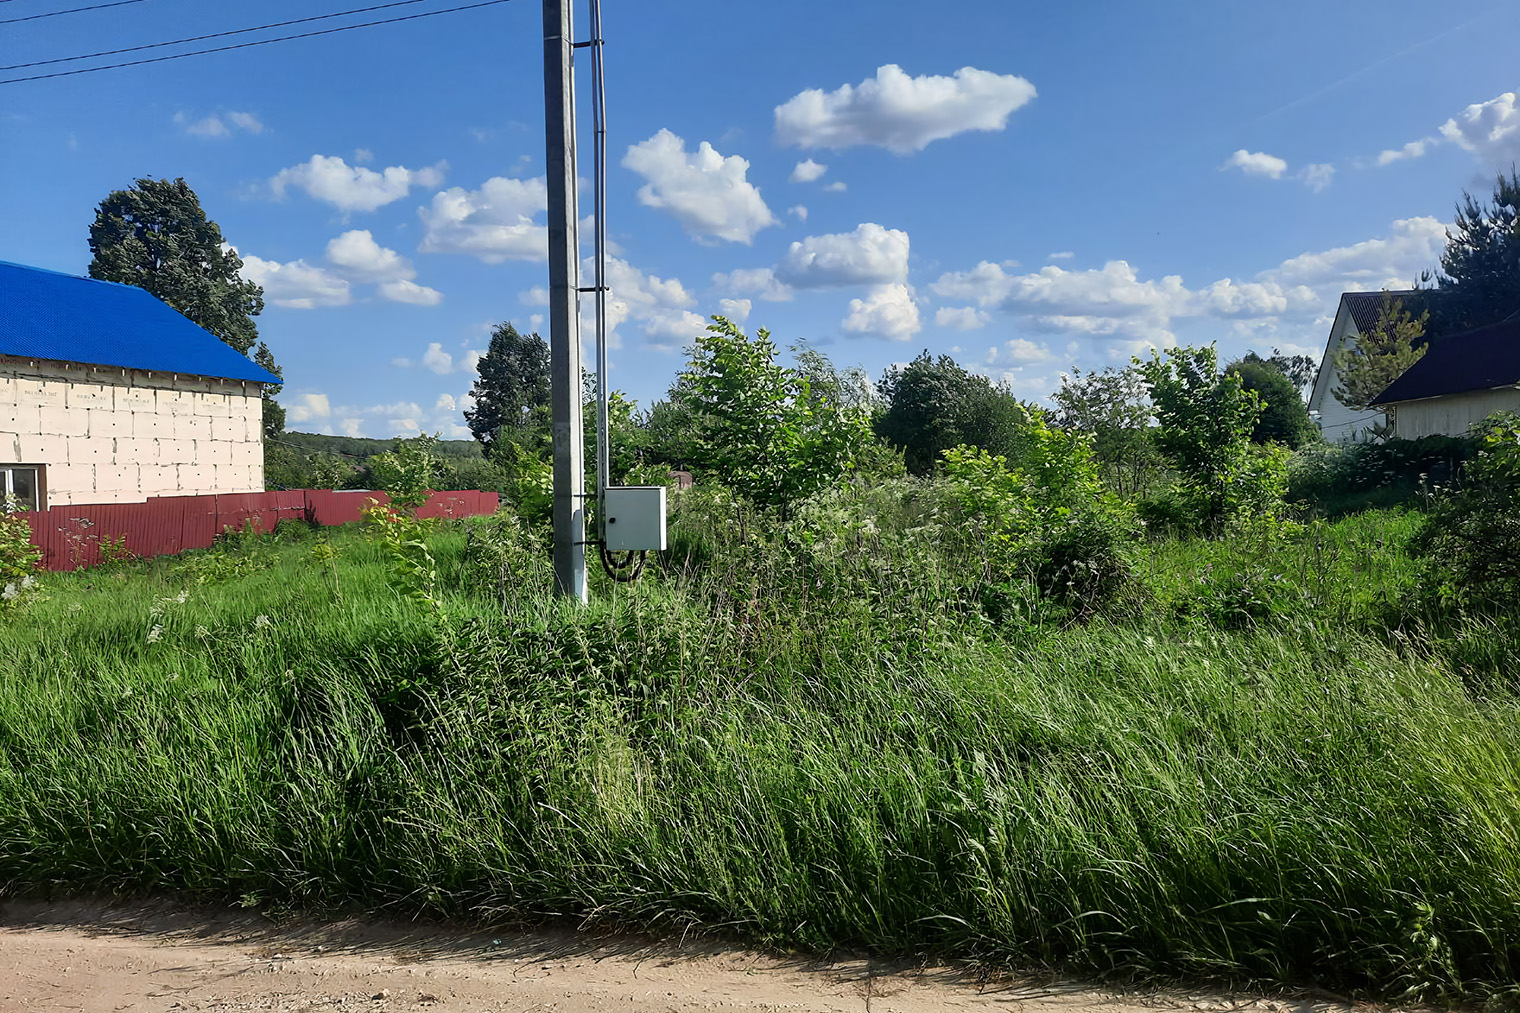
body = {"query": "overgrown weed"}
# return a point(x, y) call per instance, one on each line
point(835, 729)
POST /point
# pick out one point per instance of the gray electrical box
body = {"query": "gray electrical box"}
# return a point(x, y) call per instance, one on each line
point(635, 517)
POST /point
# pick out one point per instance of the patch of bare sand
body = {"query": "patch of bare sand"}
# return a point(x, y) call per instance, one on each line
point(100, 958)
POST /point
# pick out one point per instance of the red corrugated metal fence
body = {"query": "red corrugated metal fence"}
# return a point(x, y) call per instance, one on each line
point(71, 536)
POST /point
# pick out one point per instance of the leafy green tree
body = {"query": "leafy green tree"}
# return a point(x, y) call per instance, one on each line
point(157, 237)
point(931, 405)
point(511, 391)
point(1206, 421)
point(848, 388)
point(757, 425)
point(920, 409)
point(624, 432)
point(1379, 357)
point(408, 472)
point(1114, 408)
point(1479, 280)
point(1284, 418)
point(274, 412)
point(670, 434)
point(1299, 369)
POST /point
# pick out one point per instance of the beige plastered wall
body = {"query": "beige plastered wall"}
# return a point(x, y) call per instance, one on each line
point(112, 435)
point(1453, 414)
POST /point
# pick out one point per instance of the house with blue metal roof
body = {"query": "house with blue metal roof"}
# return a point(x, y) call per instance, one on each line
point(109, 395)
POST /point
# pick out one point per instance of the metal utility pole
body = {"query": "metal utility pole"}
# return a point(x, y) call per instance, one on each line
point(564, 303)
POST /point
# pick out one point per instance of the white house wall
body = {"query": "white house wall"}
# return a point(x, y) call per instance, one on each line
point(1453, 414)
point(1338, 423)
point(108, 435)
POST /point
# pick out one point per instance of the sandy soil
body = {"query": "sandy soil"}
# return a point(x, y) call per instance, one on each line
point(93, 957)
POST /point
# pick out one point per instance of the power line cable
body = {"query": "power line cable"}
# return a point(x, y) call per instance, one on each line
point(72, 10)
point(203, 38)
point(247, 45)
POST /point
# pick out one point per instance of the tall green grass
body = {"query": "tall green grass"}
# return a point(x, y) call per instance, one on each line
point(811, 735)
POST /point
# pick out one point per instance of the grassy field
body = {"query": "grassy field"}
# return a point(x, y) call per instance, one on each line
point(820, 733)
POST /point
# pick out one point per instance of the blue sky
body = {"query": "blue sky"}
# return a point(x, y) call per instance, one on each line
point(1029, 188)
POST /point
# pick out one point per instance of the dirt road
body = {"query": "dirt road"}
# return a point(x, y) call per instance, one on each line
point(152, 958)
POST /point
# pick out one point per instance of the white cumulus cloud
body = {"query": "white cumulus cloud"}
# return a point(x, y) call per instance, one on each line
point(760, 282)
point(901, 113)
point(961, 318)
point(1317, 175)
point(1395, 261)
point(328, 178)
point(1414, 149)
point(707, 193)
point(359, 257)
point(1256, 163)
point(219, 125)
point(888, 311)
point(1019, 352)
point(296, 285)
point(737, 310)
point(1115, 302)
point(494, 223)
point(871, 255)
point(436, 359)
point(807, 171)
point(404, 290)
point(307, 407)
point(1489, 130)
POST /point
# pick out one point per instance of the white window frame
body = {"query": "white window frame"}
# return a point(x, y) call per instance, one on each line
point(39, 483)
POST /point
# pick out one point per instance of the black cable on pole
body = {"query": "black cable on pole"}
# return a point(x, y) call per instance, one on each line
point(247, 45)
point(203, 38)
point(73, 10)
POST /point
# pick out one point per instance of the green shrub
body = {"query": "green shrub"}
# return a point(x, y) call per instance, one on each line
point(19, 558)
point(1331, 476)
point(408, 472)
point(1206, 423)
point(1471, 539)
point(1047, 514)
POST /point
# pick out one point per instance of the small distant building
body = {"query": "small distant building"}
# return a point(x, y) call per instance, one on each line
point(108, 395)
point(1357, 314)
point(1461, 379)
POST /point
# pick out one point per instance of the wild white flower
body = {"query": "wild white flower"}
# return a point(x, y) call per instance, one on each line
point(262, 623)
point(156, 633)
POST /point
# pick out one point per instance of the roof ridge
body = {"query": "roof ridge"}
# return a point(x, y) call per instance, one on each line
point(71, 277)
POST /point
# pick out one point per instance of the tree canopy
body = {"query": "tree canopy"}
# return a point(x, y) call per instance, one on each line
point(511, 390)
point(760, 426)
point(1114, 407)
point(1479, 279)
point(156, 236)
point(1284, 417)
point(931, 405)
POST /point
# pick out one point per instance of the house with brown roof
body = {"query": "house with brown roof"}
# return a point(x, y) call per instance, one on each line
point(1461, 379)
point(1357, 314)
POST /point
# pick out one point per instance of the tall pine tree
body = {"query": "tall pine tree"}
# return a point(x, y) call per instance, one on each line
point(1479, 282)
